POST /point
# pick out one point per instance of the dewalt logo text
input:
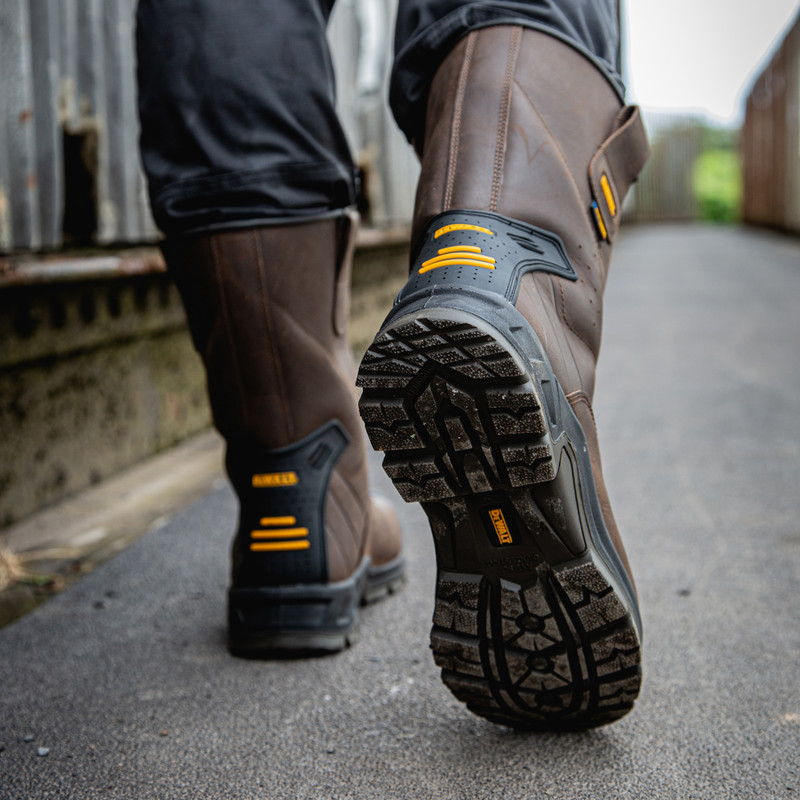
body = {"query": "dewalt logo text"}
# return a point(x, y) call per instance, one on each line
point(273, 479)
point(500, 526)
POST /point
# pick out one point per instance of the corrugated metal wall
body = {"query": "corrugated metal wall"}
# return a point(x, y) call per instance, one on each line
point(771, 140)
point(361, 33)
point(68, 119)
point(67, 108)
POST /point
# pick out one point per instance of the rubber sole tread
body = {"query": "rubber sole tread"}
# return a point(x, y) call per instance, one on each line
point(533, 633)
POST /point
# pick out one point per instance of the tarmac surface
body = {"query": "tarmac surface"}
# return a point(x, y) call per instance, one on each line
point(121, 687)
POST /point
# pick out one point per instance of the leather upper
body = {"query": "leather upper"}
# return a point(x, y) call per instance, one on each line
point(267, 308)
point(515, 119)
point(521, 124)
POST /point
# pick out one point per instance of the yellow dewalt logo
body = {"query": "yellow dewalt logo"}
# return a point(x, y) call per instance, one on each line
point(276, 528)
point(270, 480)
point(606, 187)
point(500, 526)
point(465, 254)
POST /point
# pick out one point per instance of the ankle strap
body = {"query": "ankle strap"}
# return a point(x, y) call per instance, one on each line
point(614, 168)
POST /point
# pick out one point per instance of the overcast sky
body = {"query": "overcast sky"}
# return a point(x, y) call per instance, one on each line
point(699, 54)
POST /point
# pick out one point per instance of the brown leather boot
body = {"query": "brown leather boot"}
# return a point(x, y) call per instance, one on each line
point(479, 384)
point(267, 309)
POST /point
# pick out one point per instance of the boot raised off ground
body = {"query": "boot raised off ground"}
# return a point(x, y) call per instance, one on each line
point(267, 308)
point(478, 387)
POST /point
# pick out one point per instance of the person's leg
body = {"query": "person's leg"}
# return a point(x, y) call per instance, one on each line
point(479, 384)
point(236, 102)
point(427, 30)
point(250, 177)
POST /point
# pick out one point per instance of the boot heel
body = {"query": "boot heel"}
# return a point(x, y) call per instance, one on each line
point(282, 494)
point(280, 598)
point(301, 619)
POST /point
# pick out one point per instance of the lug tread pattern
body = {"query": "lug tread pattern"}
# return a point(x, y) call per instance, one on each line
point(559, 653)
point(458, 413)
point(451, 438)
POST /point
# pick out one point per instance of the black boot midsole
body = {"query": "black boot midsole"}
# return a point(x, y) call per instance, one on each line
point(307, 617)
point(263, 616)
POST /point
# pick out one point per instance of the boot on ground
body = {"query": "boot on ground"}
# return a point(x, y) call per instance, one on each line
point(479, 385)
point(267, 308)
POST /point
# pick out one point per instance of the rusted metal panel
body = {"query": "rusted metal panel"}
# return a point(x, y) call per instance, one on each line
point(771, 140)
point(68, 70)
point(361, 33)
point(49, 181)
point(18, 189)
point(68, 107)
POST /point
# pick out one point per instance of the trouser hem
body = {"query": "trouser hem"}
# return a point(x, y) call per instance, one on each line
point(267, 196)
point(416, 63)
point(265, 222)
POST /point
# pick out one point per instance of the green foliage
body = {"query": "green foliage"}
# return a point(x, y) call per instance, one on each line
point(717, 184)
point(717, 137)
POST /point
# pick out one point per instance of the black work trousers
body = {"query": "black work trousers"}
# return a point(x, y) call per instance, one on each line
point(237, 100)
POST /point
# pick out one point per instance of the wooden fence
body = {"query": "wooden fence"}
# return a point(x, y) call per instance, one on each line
point(771, 140)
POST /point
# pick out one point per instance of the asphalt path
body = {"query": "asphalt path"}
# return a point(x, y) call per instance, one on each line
point(121, 687)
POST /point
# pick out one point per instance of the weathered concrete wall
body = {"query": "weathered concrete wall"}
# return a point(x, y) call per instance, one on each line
point(94, 376)
point(380, 270)
point(97, 371)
